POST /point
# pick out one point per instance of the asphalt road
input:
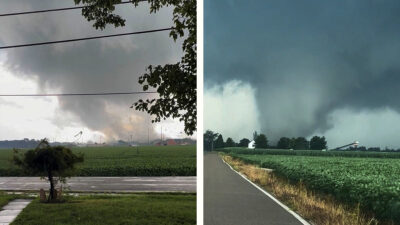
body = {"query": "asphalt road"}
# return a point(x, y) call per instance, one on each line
point(231, 200)
point(106, 184)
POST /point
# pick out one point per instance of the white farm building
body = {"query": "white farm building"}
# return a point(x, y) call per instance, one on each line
point(252, 145)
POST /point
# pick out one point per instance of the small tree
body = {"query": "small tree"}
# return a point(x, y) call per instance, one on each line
point(244, 142)
point(230, 142)
point(284, 143)
point(301, 143)
point(261, 141)
point(55, 163)
point(255, 135)
point(219, 143)
point(318, 143)
point(209, 138)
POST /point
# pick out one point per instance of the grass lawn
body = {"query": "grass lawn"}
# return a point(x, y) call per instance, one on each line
point(157, 208)
point(4, 199)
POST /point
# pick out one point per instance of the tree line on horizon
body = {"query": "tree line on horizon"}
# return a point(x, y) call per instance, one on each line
point(214, 140)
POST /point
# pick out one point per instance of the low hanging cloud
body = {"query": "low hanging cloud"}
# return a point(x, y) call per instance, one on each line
point(306, 60)
point(104, 65)
point(372, 128)
point(229, 108)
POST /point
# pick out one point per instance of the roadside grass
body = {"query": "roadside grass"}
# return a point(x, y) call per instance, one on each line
point(154, 208)
point(317, 208)
point(6, 198)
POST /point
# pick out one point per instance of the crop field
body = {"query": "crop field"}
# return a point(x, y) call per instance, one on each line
point(331, 153)
point(373, 183)
point(123, 161)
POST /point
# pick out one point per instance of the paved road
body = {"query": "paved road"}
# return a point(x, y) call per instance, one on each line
point(106, 184)
point(231, 200)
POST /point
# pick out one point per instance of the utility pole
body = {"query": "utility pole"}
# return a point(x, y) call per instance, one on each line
point(161, 136)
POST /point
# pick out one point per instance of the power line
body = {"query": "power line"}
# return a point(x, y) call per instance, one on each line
point(79, 94)
point(86, 38)
point(54, 10)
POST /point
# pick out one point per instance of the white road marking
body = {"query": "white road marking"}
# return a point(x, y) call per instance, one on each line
point(297, 216)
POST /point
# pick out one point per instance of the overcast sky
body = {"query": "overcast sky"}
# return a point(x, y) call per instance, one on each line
point(304, 68)
point(103, 65)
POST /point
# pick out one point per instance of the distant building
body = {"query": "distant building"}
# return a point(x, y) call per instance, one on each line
point(171, 142)
point(184, 141)
point(252, 145)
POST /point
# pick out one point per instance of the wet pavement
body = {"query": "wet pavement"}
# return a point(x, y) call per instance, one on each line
point(105, 184)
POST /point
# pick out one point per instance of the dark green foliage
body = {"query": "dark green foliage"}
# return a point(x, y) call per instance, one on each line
point(357, 148)
point(374, 149)
point(122, 161)
point(261, 141)
point(177, 95)
point(175, 83)
point(255, 135)
point(318, 143)
point(55, 163)
point(300, 143)
point(219, 143)
point(284, 143)
point(209, 140)
point(373, 183)
point(244, 142)
point(230, 142)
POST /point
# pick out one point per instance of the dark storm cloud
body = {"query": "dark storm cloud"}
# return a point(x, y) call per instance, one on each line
point(306, 58)
point(106, 65)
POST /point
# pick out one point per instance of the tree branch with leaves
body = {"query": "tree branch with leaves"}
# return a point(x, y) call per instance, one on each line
point(175, 83)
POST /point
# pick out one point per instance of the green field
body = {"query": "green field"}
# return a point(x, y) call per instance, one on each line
point(113, 210)
point(123, 161)
point(330, 153)
point(374, 183)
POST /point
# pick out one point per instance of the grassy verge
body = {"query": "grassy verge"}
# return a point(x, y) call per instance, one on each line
point(4, 199)
point(319, 209)
point(107, 209)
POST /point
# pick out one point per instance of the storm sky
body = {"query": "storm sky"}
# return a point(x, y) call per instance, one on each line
point(102, 65)
point(304, 68)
